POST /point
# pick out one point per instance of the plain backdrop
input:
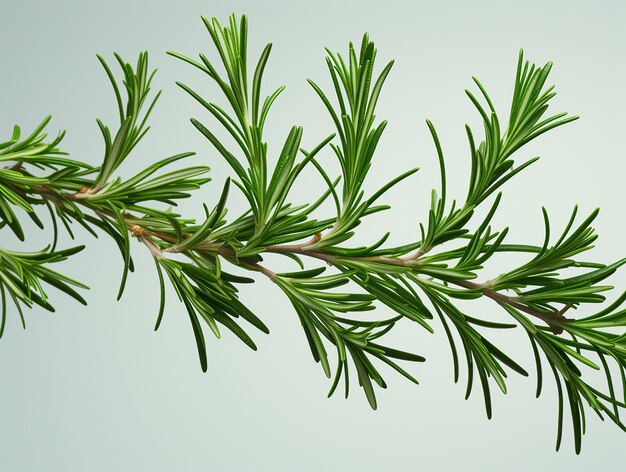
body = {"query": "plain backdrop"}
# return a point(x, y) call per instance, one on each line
point(94, 388)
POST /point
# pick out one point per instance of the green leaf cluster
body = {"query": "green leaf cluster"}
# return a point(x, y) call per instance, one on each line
point(348, 299)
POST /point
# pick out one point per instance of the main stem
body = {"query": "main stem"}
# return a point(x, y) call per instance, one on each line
point(553, 319)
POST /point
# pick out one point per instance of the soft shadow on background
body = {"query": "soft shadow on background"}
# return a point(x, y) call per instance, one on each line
point(94, 388)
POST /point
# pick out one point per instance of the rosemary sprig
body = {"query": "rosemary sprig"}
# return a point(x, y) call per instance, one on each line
point(334, 299)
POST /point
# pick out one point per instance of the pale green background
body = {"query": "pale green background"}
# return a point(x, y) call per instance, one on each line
point(95, 389)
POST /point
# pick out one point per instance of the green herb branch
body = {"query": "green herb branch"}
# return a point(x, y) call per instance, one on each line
point(418, 283)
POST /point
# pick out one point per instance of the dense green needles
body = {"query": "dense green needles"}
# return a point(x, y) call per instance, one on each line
point(418, 283)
